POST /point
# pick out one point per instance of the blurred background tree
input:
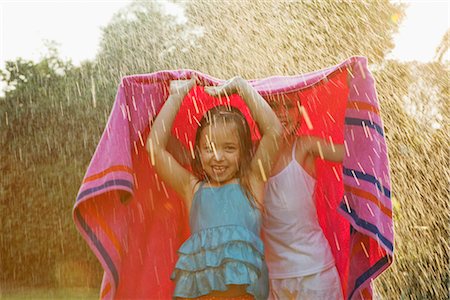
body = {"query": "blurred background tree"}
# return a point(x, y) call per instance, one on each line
point(49, 130)
point(251, 38)
point(53, 114)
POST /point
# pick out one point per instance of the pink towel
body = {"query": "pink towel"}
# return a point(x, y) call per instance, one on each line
point(134, 223)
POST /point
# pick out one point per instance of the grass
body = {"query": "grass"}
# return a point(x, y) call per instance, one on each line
point(23, 293)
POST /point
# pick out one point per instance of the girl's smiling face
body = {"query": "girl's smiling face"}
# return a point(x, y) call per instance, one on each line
point(220, 152)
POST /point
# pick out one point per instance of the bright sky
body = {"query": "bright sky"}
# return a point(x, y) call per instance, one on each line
point(76, 26)
point(422, 30)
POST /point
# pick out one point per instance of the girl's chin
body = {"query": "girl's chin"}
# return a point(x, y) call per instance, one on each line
point(217, 180)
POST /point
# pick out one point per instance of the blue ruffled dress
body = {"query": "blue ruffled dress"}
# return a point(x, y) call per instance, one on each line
point(224, 247)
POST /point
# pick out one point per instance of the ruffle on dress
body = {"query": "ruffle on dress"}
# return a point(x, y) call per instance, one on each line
point(215, 257)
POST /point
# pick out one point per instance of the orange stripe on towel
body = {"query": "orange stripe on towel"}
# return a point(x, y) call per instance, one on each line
point(361, 244)
point(105, 291)
point(109, 233)
point(355, 250)
point(372, 198)
point(107, 171)
point(359, 105)
point(366, 294)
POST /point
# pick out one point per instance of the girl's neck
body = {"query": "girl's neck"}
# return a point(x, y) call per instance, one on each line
point(288, 141)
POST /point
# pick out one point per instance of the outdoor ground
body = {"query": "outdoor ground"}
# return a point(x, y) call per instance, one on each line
point(48, 293)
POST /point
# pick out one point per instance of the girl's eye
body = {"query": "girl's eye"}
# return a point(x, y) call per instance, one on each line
point(230, 149)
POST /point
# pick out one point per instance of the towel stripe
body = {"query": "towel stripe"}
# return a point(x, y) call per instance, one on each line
point(368, 123)
point(366, 294)
point(366, 225)
point(369, 196)
point(368, 274)
point(120, 182)
point(359, 105)
point(99, 247)
point(105, 291)
point(369, 178)
point(117, 168)
point(107, 230)
point(358, 247)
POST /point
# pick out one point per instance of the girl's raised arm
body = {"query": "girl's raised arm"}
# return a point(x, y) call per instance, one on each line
point(318, 147)
point(167, 168)
point(268, 123)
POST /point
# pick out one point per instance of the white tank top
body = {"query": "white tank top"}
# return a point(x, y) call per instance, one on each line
point(294, 242)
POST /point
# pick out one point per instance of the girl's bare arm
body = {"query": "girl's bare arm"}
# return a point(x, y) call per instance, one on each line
point(167, 168)
point(318, 147)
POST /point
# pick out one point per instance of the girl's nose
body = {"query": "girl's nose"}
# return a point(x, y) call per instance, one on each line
point(218, 155)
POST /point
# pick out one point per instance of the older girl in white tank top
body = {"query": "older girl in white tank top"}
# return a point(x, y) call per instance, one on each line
point(301, 264)
point(293, 235)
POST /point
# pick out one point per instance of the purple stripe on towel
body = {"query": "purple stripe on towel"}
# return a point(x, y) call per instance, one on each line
point(115, 182)
point(99, 247)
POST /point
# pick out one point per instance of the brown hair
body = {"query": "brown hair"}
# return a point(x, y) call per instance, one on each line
point(234, 115)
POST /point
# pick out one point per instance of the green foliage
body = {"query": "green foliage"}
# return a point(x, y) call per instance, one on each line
point(49, 131)
point(134, 42)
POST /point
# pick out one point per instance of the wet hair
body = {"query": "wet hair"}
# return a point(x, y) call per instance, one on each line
point(228, 114)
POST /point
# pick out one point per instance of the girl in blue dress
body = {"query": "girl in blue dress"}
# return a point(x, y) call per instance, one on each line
point(224, 256)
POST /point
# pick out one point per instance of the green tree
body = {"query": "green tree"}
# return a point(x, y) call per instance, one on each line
point(265, 38)
point(135, 42)
point(48, 134)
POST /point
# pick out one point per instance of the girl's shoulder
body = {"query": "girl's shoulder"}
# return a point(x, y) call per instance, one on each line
point(257, 186)
point(197, 185)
